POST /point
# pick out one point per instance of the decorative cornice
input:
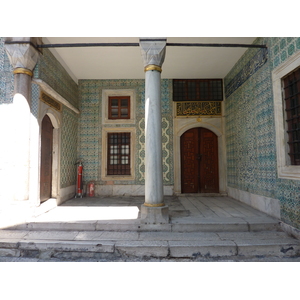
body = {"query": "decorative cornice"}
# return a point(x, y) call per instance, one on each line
point(49, 90)
point(256, 62)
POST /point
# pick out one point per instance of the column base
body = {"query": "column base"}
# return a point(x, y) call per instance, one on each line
point(154, 215)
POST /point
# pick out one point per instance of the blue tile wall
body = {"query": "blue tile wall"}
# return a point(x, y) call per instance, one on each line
point(250, 129)
point(6, 76)
point(69, 153)
point(52, 72)
point(90, 128)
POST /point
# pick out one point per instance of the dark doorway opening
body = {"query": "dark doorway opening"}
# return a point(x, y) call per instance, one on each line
point(46, 159)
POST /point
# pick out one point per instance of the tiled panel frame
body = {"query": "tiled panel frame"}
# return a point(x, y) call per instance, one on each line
point(68, 147)
point(90, 130)
point(250, 130)
point(6, 76)
point(52, 72)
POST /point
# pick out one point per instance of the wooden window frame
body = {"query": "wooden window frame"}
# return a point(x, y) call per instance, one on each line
point(119, 107)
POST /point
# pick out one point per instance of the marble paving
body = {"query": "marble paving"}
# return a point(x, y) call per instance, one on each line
point(183, 208)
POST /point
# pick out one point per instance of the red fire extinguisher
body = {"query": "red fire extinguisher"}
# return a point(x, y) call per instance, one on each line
point(79, 183)
point(91, 189)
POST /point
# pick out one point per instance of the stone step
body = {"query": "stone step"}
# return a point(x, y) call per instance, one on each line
point(104, 245)
point(177, 225)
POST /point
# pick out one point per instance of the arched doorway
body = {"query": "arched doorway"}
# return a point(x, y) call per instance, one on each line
point(46, 159)
point(199, 161)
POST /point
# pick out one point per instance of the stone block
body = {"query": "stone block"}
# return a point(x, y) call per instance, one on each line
point(202, 248)
point(77, 246)
point(179, 236)
point(89, 235)
point(142, 248)
point(9, 243)
point(117, 235)
point(12, 234)
point(154, 215)
point(9, 252)
point(89, 225)
point(154, 227)
point(267, 248)
point(116, 227)
point(51, 235)
point(209, 227)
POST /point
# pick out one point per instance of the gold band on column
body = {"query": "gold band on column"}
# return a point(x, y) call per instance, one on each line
point(154, 205)
point(23, 71)
point(153, 68)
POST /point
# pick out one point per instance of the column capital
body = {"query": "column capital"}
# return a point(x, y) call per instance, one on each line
point(22, 53)
point(153, 52)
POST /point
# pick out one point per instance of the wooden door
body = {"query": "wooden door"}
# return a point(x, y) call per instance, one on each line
point(199, 161)
point(46, 159)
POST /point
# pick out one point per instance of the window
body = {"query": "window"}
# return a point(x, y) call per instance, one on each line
point(118, 104)
point(291, 84)
point(197, 90)
point(286, 108)
point(118, 153)
point(119, 107)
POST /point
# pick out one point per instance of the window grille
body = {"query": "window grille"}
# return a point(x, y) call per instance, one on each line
point(197, 90)
point(118, 160)
point(292, 108)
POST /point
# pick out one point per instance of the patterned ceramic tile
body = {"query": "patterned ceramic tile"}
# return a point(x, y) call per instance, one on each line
point(90, 127)
point(51, 71)
point(6, 76)
point(250, 132)
point(35, 95)
point(68, 147)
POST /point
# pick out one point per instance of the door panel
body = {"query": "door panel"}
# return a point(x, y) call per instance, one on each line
point(209, 173)
point(199, 161)
point(189, 170)
point(46, 159)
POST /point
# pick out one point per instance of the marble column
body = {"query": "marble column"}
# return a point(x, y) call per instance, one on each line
point(154, 210)
point(23, 56)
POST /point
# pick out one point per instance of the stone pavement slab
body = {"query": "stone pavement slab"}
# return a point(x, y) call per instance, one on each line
point(116, 235)
point(256, 235)
point(51, 235)
point(179, 236)
point(88, 235)
point(12, 234)
point(83, 246)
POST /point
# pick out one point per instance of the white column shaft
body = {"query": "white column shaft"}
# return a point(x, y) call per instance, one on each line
point(153, 144)
point(23, 57)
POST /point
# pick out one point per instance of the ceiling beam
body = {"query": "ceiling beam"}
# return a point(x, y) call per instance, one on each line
point(137, 44)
